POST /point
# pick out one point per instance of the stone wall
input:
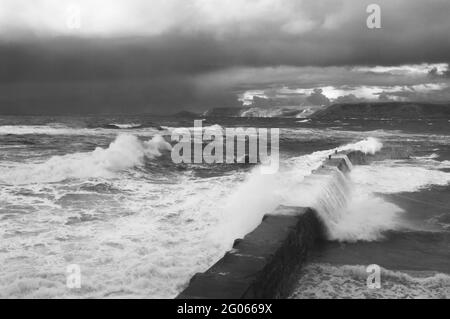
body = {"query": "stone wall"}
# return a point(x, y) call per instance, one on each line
point(263, 263)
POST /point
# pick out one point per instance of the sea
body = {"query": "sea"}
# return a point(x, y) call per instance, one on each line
point(103, 193)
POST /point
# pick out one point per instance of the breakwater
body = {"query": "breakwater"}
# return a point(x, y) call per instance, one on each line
point(263, 264)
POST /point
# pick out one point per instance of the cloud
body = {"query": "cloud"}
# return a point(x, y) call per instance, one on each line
point(201, 51)
point(317, 98)
point(407, 69)
point(349, 98)
point(405, 88)
point(143, 18)
point(241, 32)
point(419, 93)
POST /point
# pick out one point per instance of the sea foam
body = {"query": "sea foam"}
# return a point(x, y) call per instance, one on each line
point(348, 205)
point(125, 152)
point(390, 177)
point(349, 281)
point(330, 194)
point(61, 129)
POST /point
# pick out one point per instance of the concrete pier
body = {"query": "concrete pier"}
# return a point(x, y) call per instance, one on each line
point(263, 263)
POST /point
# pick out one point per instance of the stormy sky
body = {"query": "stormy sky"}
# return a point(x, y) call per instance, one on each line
point(162, 56)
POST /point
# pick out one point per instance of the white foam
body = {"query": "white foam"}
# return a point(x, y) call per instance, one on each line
point(211, 128)
point(127, 151)
point(261, 194)
point(365, 218)
point(44, 130)
point(390, 177)
point(259, 112)
point(179, 217)
point(163, 237)
point(431, 156)
point(126, 125)
point(349, 281)
point(61, 129)
point(370, 145)
point(350, 213)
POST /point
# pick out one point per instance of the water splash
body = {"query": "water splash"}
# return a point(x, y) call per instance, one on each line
point(125, 152)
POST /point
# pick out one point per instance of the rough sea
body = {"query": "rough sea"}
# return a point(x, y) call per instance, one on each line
point(102, 192)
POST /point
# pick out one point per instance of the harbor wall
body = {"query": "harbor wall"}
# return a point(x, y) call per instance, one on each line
point(263, 263)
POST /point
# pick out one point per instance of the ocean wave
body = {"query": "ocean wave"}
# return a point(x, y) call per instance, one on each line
point(260, 194)
point(350, 281)
point(214, 127)
point(175, 216)
point(61, 129)
point(123, 126)
point(349, 206)
point(389, 177)
point(426, 157)
point(127, 151)
point(180, 217)
point(44, 130)
point(349, 213)
point(385, 135)
point(368, 146)
point(272, 112)
point(365, 215)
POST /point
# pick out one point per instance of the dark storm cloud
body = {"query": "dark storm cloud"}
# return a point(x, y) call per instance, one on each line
point(317, 98)
point(406, 94)
point(98, 59)
point(350, 98)
point(162, 70)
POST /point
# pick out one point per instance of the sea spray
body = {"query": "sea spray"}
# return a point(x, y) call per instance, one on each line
point(146, 237)
point(125, 152)
point(330, 194)
point(320, 280)
point(389, 177)
point(63, 130)
point(370, 145)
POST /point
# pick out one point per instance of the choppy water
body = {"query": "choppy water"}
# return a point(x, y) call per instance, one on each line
point(104, 193)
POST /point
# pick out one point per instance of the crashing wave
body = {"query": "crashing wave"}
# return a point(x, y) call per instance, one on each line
point(347, 204)
point(330, 195)
point(61, 129)
point(273, 112)
point(368, 146)
point(349, 281)
point(127, 151)
point(123, 126)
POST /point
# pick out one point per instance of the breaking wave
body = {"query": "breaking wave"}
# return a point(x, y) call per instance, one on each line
point(123, 126)
point(127, 151)
point(347, 204)
point(110, 129)
point(368, 146)
point(330, 194)
point(349, 281)
point(389, 177)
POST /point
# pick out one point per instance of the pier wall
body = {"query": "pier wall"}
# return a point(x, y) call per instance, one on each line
point(263, 263)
